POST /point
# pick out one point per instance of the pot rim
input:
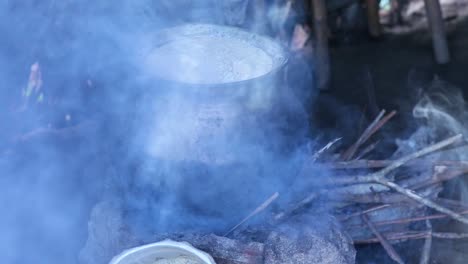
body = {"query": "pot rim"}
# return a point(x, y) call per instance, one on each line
point(182, 246)
point(195, 29)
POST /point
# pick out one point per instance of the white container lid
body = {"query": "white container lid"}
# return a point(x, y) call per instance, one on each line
point(148, 254)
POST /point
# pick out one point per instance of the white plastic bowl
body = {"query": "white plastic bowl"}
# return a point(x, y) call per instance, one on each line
point(148, 254)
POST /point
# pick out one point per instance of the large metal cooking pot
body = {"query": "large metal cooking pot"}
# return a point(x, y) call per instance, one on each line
point(201, 139)
point(209, 77)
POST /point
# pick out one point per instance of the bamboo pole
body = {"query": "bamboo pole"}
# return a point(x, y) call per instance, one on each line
point(436, 24)
point(322, 56)
point(373, 18)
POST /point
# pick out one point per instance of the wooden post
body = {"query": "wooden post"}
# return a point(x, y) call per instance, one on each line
point(322, 57)
point(373, 18)
point(260, 15)
point(436, 24)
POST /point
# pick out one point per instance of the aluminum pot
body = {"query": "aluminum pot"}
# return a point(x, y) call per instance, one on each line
point(196, 136)
point(208, 109)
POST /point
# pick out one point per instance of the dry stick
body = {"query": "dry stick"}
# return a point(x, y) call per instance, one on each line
point(320, 152)
point(370, 88)
point(379, 177)
point(302, 203)
point(441, 177)
point(435, 147)
point(383, 241)
point(426, 252)
point(450, 235)
point(412, 235)
point(436, 179)
point(393, 236)
point(411, 219)
point(446, 176)
point(378, 123)
point(382, 122)
point(375, 164)
point(372, 129)
point(363, 117)
point(259, 209)
point(349, 153)
point(385, 197)
point(422, 200)
point(453, 203)
point(367, 150)
point(370, 210)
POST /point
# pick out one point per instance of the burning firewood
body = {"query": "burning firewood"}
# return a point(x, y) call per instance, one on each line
point(379, 177)
point(426, 254)
point(389, 248)
point(414, 235)
point(378, 122)
point(259, 209)
point(392, 200)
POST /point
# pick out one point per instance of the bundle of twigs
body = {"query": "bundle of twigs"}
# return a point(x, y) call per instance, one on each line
point(383, 216)
point(380, 216)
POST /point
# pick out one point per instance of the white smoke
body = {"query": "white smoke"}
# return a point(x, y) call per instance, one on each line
point(440, 113)
point(50, 182)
